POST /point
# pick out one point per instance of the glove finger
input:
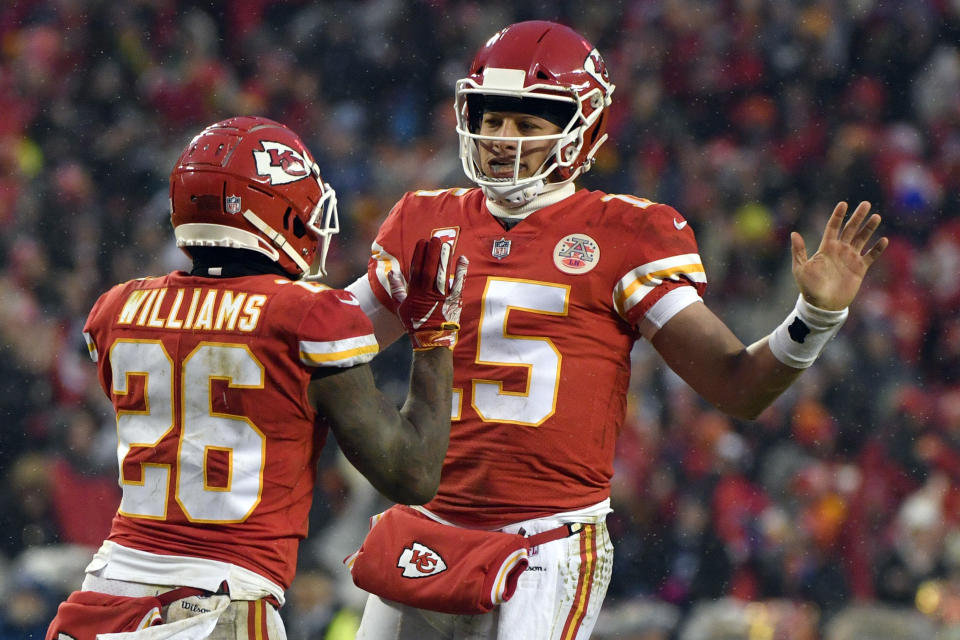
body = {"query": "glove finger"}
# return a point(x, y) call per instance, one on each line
point(420, 276)
point(441, 280)
point(397, 290)
point(453, 303)
point(459, 276)
point(434, 265)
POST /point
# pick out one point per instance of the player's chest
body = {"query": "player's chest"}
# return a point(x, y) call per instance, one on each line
point(571, 252)
point(538, 277)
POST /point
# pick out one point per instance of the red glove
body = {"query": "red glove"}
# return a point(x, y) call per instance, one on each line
point(428, 308)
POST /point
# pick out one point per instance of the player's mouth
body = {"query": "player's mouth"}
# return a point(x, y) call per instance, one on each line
point(503, 168)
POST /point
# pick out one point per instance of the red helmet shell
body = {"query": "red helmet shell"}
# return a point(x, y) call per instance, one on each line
point(242, 165)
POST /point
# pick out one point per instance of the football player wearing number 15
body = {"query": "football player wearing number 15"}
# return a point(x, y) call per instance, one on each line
point(225, 381)
point(562, 283)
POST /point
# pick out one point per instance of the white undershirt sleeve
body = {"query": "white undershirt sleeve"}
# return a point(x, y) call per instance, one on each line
point(386, 325)
point(665, 308)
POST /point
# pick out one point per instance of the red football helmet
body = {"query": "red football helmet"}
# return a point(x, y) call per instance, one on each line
point(545, 69)
point(250, 183)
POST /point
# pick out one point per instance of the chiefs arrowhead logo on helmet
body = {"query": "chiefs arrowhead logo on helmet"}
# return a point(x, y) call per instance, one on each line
point(597, 68)
point(280, 163)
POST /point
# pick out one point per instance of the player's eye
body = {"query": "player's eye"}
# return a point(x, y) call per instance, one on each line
point(492, 122)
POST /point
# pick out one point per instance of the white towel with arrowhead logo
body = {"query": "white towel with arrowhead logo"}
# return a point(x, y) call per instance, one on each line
point(194, 628)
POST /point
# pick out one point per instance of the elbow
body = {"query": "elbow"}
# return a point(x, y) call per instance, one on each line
point(744, 412)
point(749, 413)
point(425, 489)
point(744, 403)
point(414, 495)
point(419, 496)
point(417, 488)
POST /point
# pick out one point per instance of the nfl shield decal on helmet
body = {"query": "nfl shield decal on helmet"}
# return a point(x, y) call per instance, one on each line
point(232, 204)
point(419, 561)
point(501, 248)
point(576, 253)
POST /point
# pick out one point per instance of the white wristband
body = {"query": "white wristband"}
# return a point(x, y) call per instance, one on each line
point(801, 337)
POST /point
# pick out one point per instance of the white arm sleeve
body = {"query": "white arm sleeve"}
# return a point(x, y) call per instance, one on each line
point(665, 308)
point(386, 325)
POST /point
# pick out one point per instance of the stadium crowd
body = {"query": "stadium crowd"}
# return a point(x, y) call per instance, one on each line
point(837, 509)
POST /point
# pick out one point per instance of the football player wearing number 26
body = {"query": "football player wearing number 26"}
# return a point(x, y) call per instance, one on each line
point(562, 283)
point(225, 382)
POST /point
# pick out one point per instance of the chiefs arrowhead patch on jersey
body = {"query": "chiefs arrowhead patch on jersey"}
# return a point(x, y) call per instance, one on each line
point(419, 561)
point(576, 253)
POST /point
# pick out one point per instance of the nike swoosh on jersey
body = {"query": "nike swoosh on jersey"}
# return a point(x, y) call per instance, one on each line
point(351, 301)
point(679, 225)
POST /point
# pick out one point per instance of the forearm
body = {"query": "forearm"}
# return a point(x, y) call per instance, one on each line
point(426, 414)
point(743, 381)
point(399, 452)
point(754, 379)
point(738, 380)
point(428, 306)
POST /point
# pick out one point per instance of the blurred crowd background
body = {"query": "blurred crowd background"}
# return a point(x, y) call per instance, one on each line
point(836, 515)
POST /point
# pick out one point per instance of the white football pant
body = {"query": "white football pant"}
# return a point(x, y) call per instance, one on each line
point(558, 597)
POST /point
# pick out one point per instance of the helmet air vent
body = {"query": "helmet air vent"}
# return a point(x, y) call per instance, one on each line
point(254, 187)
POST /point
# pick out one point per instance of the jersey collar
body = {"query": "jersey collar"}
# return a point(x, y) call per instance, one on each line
point(541, 201)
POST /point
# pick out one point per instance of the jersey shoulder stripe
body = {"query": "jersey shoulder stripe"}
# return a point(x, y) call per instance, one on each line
point(639, 282)
point(338, 353)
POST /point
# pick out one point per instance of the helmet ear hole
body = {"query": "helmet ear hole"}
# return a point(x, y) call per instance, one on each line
point(293, 223)
point(597, 129)
point(299, 229)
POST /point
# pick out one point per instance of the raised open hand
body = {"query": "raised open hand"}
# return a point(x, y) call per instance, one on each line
point(429, 305)
point(831, 277)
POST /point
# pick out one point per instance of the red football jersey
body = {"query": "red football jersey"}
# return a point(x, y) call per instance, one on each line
point(542, 365)
point(217, 442)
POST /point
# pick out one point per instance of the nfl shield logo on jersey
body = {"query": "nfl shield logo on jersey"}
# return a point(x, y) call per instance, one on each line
point(232, 204)
point(501, 248)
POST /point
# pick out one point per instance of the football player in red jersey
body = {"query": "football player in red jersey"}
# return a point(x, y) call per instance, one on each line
point(562, 283)
point(225, 381)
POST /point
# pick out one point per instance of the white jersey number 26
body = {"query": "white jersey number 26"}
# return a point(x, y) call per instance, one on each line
point(203, 431)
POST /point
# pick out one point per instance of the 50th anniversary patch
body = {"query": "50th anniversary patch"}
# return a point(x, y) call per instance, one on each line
point(576, 253)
